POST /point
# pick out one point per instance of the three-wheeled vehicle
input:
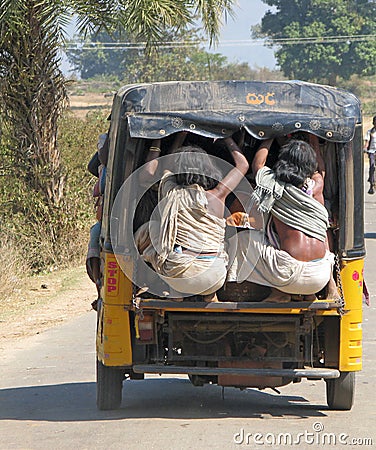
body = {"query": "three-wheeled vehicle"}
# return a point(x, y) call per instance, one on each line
point(239, 341)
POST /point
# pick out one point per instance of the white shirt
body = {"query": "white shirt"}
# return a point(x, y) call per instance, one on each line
point(371, 136)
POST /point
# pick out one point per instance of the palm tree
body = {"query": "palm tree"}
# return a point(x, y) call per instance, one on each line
point(32, 88)
point(32, 93)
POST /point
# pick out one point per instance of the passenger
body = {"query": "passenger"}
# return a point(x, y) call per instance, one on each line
point(370, 149)
point(97, 165)
point(291, 254)
point(188, 249)
point(150, 172)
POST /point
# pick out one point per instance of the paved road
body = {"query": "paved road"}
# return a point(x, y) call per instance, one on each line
point(47, 398)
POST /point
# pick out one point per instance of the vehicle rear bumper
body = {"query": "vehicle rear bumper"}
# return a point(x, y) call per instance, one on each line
point(311, 372)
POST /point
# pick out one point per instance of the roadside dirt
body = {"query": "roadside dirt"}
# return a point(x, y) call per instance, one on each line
point(44, 301)
point(80, 105)
point(41, 302)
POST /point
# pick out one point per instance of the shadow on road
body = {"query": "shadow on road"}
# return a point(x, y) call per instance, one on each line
point(369, 235)
point(152, 398)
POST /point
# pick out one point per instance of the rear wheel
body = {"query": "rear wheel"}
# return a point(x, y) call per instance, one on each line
point(109, 387)
point(196, 380)
point(340, 391)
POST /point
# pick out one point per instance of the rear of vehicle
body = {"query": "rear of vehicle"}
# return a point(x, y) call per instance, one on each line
point(239, 341)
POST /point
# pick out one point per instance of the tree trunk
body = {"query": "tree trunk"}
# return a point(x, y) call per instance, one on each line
point(333, 79)
point(34, 95)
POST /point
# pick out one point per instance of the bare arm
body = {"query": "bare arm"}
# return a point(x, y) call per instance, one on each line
point(233, 178)
point(314, 143)
point(318, 195)
point(318, 189)
point(261, 155)
point(366, 144)
point(150, 167)
point(179, 140)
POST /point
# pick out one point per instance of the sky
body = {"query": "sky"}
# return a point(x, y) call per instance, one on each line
point(235, 38)
point(248, 13)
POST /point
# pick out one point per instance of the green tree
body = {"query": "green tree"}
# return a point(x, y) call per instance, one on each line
point(33, 89)
point(187, 64)
point(319, 40)
point(33, 94)
point(178, 56)
point(99, 54)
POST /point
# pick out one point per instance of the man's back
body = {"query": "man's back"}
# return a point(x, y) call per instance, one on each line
point(297, 244)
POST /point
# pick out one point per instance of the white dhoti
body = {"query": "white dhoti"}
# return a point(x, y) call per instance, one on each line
point(183, 272)
point(185, 223)
point(199, 275)
point(261, 263)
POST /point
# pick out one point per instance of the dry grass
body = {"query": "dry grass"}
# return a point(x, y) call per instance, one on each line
point(14, 269)
point(81, 104)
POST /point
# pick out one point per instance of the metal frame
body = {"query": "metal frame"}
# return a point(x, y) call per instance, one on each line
point(246, 319)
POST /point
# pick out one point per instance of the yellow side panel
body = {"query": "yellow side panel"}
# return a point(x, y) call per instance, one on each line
point(114, 346)
point(350, 351)
point(117, 288)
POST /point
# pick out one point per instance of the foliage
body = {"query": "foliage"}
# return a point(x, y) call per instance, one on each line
point(179, 56)
point(194, 64)
point(320, 39)
point(13, 266)
point(33, 94)
point(90, 59)
point(147, 20)
point(364, 89)
point(37, 207)
point(184, 61)
point(43, 237)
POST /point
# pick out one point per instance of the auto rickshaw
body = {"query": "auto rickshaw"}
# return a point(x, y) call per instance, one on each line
point(140, 331)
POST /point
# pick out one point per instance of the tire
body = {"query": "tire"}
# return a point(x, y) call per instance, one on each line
point(109, 387)
point(196, 380)
point(340, 391)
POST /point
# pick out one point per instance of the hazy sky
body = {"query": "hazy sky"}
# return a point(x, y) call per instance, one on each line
point(248, 13)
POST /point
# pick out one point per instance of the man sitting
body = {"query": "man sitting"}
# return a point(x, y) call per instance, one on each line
point(291, 254)
point(185, 246)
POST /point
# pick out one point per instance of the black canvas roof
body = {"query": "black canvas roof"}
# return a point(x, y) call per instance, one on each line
point(218, 108)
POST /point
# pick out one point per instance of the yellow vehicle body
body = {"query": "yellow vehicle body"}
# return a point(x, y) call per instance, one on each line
point(238, 341)
point(113, 338)
point(350, 342)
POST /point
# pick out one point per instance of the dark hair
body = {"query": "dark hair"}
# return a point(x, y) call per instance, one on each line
point(296, 162)
point(194, 166)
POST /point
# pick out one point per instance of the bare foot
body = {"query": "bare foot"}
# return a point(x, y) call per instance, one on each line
point(333, 290)
point(333, 295)
point(210, 298)
point(277, 296)
point(173, 296)
point(94, 304)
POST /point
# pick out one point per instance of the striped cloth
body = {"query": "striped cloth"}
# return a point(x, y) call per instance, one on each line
point(290, 205)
